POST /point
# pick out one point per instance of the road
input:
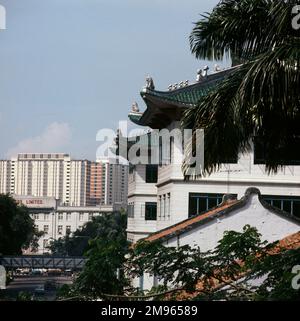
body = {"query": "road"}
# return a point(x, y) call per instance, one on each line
point(30, 283)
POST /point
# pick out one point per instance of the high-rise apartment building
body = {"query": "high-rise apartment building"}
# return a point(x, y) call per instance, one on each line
point(40, 175)
point(5, 174)
point(72, 182)
point(116, 183)
point(96, 183)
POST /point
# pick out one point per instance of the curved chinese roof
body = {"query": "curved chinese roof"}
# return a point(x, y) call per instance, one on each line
point(163, 107)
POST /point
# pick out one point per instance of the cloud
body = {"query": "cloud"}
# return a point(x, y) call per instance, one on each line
point(54, 138)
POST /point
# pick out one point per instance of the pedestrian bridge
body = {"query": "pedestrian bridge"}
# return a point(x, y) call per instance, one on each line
point(42, 262)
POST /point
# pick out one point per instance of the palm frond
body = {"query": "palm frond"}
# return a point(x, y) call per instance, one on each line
point(260, 100)
point(224, 134)
point(242, 29)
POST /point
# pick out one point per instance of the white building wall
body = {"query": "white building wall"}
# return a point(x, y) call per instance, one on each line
point(5, 176)
point(137, 226)
point(171, 188)
point(39, 175)
point(270, 225)
point(60, 221)
point(57, 220)
point(66, 181)
point(77, 183)
point(140, 192)
point(179, 194)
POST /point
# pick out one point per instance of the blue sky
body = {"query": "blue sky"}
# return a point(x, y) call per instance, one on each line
point(69, 68)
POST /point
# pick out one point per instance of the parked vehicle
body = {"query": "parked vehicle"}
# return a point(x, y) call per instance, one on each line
point(40, 290)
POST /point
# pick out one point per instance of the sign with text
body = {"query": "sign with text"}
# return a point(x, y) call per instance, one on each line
point(36, 202)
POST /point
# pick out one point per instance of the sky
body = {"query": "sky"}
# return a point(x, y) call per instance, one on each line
point(69, 68)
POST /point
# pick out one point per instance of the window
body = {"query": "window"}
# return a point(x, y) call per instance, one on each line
point(289, 204)
point(36, 227)
point(90, 216)
point(151, 173)
point(46, 229)
point(60, 216)
point(81, 217)
point(199, 203)
point(160, 206)
point(150, 211)
point(60, 229)
point(68, 229)
point(36, 216)
point(168, 205)
point(130, 210)
point(46, 217)
point(68, 216)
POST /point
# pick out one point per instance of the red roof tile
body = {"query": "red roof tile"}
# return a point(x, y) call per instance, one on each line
point(183, 225)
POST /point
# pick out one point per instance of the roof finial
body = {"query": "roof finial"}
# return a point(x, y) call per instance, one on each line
point(135, 107)
point(217, 68)
point(199, 75)
point(205, 74)
point(150, 83)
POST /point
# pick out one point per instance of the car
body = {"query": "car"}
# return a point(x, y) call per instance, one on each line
point(68, 273)
point(36, 272)
point(40, 290)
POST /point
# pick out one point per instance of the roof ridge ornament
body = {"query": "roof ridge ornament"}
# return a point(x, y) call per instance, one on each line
point(149, 83)
point(217, 68)
point(135, 108)
point(202, 74)
point(199, 75)
point(206, 69)
point(182, 84)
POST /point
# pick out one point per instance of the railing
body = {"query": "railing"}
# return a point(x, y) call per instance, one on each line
point(39, 262)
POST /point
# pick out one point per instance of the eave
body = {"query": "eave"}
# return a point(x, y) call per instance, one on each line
point(163, 107)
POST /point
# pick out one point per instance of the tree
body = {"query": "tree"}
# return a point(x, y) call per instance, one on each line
point(78, 243)
point(227, 272)
point(106, 250)
point(17, 229)
point(261, 95)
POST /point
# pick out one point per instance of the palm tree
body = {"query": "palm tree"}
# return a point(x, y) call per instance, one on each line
point(260, 99)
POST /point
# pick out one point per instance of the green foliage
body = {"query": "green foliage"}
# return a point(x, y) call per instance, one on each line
point(279, 270)
point(237, 261)
point(24, 296)
point(103, 272)
point(16, 227)
point(228, 272)
point(259, 96)
point(78, 243)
